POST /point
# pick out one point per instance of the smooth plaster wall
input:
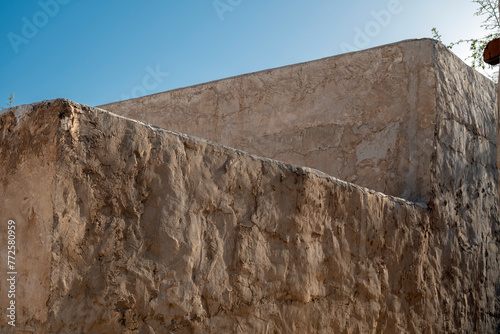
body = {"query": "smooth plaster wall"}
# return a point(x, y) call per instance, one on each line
point(366, 117)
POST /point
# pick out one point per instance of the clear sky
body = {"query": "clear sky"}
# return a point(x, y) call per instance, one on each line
point(99, 51)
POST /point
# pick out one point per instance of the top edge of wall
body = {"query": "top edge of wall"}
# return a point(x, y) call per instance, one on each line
point(431, 42)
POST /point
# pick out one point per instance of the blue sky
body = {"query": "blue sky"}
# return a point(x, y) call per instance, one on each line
point(95, 52)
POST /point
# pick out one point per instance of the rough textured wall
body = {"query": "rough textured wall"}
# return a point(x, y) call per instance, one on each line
point(157, 232)
point(366, 117)
point(27, 176)
point(465, 186)
point(186, 236)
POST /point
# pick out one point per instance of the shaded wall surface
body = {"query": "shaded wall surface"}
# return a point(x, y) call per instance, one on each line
point(128, 228)
point(367, 117)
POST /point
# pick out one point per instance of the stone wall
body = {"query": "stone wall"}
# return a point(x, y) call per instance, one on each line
point(149, 231)
point(27, 178)
point(366, 117)
point(464, 186)
point(123, 227)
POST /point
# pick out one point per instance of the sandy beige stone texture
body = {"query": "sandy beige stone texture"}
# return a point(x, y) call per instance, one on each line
point(366, 117)
point(125, 227)
point(157, 232)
